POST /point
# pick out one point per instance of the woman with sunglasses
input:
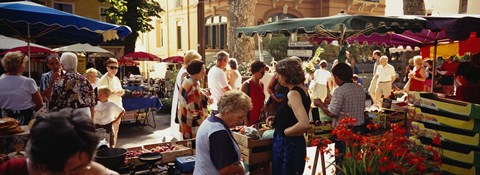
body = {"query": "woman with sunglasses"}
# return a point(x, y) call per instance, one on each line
point(112, 82)
point(19, 95)
point(60, 143)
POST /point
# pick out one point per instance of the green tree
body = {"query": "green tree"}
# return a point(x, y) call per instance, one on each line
point(277, 46)
point(134, 13)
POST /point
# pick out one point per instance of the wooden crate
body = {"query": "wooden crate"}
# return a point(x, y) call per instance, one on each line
point(170, 156)
point(254, 151)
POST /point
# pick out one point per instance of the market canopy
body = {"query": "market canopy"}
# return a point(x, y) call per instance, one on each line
point(33, 49)
point(339, 27)
point(81, 48)
point(174, 59)
point(8, 43)
point(48, 26)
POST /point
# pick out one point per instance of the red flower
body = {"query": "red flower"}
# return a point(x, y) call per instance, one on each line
point(315, 142)
point(437, 140)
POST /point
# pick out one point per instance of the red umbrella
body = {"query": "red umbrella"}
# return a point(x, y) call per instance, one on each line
point(142, 56)
point(33, 50)
point(174, 59)
point(127, 62)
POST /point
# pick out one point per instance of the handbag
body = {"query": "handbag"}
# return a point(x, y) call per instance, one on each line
point(406, 88)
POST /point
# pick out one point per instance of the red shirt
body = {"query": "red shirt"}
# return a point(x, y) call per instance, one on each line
point(450, 67)
point(14, 167)
point(258, 99)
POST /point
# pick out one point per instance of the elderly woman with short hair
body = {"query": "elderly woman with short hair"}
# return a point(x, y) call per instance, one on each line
point(19, 95)
point(217, 151)
point(72, 89)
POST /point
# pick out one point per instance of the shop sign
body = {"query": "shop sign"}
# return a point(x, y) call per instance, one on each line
point(300, 53)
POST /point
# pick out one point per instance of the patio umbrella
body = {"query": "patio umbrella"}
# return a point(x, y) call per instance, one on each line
point(141, 56)
point(33, 50)
point(81, 48)
point(174, 59)
point(8, 43)
point(44, 25)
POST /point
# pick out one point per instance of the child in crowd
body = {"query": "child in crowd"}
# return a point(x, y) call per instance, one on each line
point(107, 113)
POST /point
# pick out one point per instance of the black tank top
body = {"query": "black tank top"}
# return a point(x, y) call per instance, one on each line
point(285, 117)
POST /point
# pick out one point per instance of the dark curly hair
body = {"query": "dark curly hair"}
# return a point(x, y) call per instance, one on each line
point(257, 66)
point(59, 135)
point(291, 69)
point(194, 67)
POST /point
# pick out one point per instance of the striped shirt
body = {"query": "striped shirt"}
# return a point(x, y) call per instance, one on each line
point(348, 99)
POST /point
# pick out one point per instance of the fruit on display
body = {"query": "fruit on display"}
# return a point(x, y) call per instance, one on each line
point(164, 148)
point(136, 153)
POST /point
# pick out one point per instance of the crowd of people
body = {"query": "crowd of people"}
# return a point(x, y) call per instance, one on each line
point(84, 103)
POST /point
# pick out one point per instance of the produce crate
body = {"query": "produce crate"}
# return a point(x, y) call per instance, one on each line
point(387, 117)
point(318, 132)
point(429, 130)
point(254, 151)
point(431, 100)
point(423, 114)
point(168, 156)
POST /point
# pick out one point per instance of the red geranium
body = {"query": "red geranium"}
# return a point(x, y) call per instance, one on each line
point(390, 152)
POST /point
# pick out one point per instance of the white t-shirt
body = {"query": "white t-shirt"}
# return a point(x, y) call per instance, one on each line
point(115, 85)
point(106, 112)
point(16, 92)
point(321, 76)
point(385, 73)
point(217, 81)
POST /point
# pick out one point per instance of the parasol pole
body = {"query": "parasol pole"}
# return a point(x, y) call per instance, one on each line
point(28, 49)
point(434, 66)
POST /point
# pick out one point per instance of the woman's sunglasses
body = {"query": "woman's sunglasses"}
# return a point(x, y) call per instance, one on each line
point(113, 67)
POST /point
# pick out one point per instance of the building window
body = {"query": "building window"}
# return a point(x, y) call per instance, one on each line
point(178, 4)
point(463, 6)
point(159, 31)
point(280, 16)
point(216, 32)
point(179, 35)
point(62, 6)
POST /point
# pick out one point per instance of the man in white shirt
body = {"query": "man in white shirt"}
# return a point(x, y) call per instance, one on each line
point(217, 80)
point(321, 77)
point(373, 83)
point(385, 75)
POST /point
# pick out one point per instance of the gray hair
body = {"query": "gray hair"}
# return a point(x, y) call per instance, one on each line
point(69, 61)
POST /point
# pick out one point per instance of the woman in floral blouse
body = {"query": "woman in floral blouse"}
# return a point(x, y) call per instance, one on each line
point(193, 100)
point(72, 89)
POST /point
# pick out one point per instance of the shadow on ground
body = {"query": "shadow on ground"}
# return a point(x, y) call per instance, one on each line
point(133, 135)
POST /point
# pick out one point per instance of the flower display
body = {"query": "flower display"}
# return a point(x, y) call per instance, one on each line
point(390, 152)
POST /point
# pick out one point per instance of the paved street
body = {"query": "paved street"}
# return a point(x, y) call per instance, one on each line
point(131, 135)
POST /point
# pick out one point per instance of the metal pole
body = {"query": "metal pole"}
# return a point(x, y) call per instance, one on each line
point(28, 48)
point(201, 28)
point(260, 52)
point(434, 66)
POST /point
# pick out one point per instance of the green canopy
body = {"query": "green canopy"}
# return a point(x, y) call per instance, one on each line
point(338, 27)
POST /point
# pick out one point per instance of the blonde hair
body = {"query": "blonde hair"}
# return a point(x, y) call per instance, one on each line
point(12, 60)
point(418, 60)
point(234, 102)
point(91, 70)
point(104, 90)
point(191, 55)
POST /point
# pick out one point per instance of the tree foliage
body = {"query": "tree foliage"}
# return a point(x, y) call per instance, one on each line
point(137, 14)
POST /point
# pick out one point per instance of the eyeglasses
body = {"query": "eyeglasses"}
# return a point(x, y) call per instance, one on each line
point(113, 67)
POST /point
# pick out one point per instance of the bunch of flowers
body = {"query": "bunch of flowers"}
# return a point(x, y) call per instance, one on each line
point(389, 153)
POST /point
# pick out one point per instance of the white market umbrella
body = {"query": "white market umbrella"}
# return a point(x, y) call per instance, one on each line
point(81, 48)
point(9, 43)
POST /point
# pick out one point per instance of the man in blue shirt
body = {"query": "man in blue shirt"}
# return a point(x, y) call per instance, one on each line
point(53, 63)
